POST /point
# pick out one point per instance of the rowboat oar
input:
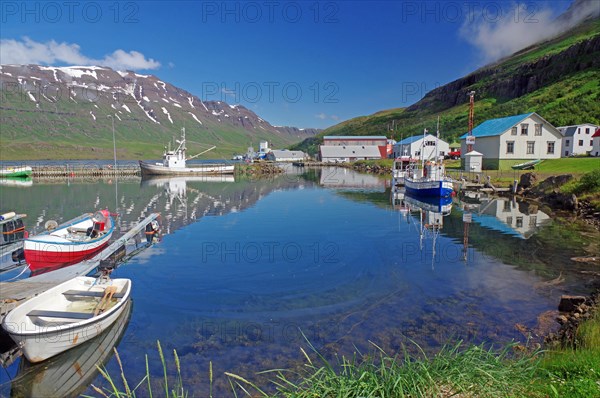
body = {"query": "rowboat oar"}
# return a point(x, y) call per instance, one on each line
point(108, 293)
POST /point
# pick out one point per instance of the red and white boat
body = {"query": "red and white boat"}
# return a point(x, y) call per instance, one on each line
point(69, 243)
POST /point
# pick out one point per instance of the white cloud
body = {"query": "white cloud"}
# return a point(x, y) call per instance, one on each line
point(323, 116)
point(27, 51)
point(520, 27)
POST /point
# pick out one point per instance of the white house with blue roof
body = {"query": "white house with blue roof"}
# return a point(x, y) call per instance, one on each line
point(419, 145)
point(514, 139)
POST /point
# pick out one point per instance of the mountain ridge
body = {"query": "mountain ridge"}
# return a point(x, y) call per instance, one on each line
point(60, 112)
point(558, 78)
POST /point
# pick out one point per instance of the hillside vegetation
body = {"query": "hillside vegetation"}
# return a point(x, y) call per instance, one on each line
point(559, 79)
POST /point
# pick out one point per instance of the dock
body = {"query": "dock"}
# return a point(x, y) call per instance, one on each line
point(86, 170)
point(13, 294)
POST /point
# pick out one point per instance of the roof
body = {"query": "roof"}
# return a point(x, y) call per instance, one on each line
point(355, 137)
point(494, 127)
point(287, 154)
point(410, 140)
point(351, 151)
point(474, 153)
point(597, 133)
point(569, 131)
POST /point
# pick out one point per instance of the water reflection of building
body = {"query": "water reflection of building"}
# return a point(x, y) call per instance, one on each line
point(519, 219)
point(338, 177)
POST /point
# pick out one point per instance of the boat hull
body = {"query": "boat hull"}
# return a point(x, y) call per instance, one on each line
point(40, 337)
point(16, 172)
point(149, 169)
point(69, 374)
point(51, 250)
point(428, 188)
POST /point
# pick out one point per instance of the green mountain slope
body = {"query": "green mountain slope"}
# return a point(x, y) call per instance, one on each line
point(61, 113)
point(558, 78)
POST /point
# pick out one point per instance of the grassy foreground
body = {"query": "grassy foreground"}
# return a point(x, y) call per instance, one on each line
point(455, 371)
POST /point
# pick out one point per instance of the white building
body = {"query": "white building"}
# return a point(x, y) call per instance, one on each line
point(350, 153)
point(596, 143)
point(515, 139)
point(418, 145)
point(577, 140)
point(341, 149)
point(286, 156)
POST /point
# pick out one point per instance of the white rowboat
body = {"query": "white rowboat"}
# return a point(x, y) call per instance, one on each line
point(66, 315)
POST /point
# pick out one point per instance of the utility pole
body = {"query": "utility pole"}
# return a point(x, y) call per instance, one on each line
point(470, 138)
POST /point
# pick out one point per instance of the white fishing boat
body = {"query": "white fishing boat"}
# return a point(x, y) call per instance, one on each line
point(174, 163)
point(428, 179)
point(66, 315)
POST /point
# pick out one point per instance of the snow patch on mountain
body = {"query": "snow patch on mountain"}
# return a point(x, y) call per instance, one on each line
point(195, 118)
point(166, 112)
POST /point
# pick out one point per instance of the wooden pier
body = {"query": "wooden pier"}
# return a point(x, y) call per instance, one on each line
point(86, 170)
point(13, 294)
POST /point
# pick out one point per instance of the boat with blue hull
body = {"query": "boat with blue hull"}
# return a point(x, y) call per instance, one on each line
point(429, 178)
point(428, 187)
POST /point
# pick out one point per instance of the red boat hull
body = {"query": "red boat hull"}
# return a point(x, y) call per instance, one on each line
point(39, 260)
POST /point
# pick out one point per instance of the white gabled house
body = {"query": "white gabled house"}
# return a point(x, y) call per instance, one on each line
point(286, 156)
point(421, 145)
point(511, 140)
point(577, 139)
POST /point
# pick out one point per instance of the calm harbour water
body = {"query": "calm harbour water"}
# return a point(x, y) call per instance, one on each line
point(246, 270)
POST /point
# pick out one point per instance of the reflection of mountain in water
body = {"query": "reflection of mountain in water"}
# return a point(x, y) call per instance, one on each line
point(180, 200)
point(70, 373)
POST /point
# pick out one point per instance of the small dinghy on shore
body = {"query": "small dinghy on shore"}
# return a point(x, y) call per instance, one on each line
point(66, 315)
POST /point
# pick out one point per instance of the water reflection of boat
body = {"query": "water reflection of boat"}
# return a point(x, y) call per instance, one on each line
point(69, 374)
point(430, 213)
point(431, 204)
point(17, 182)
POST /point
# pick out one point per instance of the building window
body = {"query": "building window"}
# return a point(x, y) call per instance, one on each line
point(587, 131)
point(519, 223)
point(567, 142)
point(538, 129)
point(530, 147)
point(514, 131)
point(532, 221)
point(550, 147)
point(429, 143)
point(509, 220)
point(506, 207)
point(524, 128)
point(591, 142)
point(418, 153)
point(566, 153)
point(510, 147)
point(580, 142)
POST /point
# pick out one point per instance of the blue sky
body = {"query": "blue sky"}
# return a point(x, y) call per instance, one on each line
point(299, 63)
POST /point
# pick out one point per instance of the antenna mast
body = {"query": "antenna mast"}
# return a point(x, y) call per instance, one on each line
point(471, 117)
